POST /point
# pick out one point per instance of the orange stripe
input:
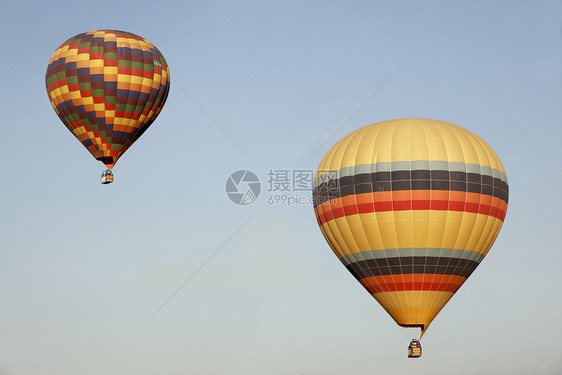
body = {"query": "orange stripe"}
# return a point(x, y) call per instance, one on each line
point(411, 200)
point(415, 281)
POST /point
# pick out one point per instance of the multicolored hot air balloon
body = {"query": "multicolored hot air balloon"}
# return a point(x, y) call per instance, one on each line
point(107, 87)
point(411, 207)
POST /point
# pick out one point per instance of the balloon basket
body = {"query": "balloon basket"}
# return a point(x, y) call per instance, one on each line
point(414, 349)
point(107, 177)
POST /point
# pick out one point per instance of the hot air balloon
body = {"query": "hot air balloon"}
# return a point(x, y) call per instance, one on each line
point(107, 87)
point(411, 207)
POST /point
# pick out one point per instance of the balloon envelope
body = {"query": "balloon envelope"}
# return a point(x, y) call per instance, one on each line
point(107, 87)
point(411, 207)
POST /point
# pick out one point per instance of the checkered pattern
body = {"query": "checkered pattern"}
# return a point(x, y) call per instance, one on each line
point(107, 87)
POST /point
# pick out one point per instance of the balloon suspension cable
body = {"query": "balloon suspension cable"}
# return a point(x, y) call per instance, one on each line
point(420, 326)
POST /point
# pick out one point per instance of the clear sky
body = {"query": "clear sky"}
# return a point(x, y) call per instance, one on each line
point(83, 267)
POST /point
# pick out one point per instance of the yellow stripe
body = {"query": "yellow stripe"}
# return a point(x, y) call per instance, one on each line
point(137, 80)
point(75, 95)
point(410, 139)
point(83, 57)
point(413, 307)
point(96, 63)
point(124, 78)
point(406, 229)
point(109, 70)
point(87, 100)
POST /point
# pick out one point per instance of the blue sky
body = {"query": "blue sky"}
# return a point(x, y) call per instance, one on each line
point(84, 266)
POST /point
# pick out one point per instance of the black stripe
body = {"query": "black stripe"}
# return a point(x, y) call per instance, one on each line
point(408, 265)
point(410, 180)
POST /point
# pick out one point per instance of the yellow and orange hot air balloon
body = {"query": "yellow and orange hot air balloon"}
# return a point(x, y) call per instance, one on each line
point(107, 87)
point(411, 207)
